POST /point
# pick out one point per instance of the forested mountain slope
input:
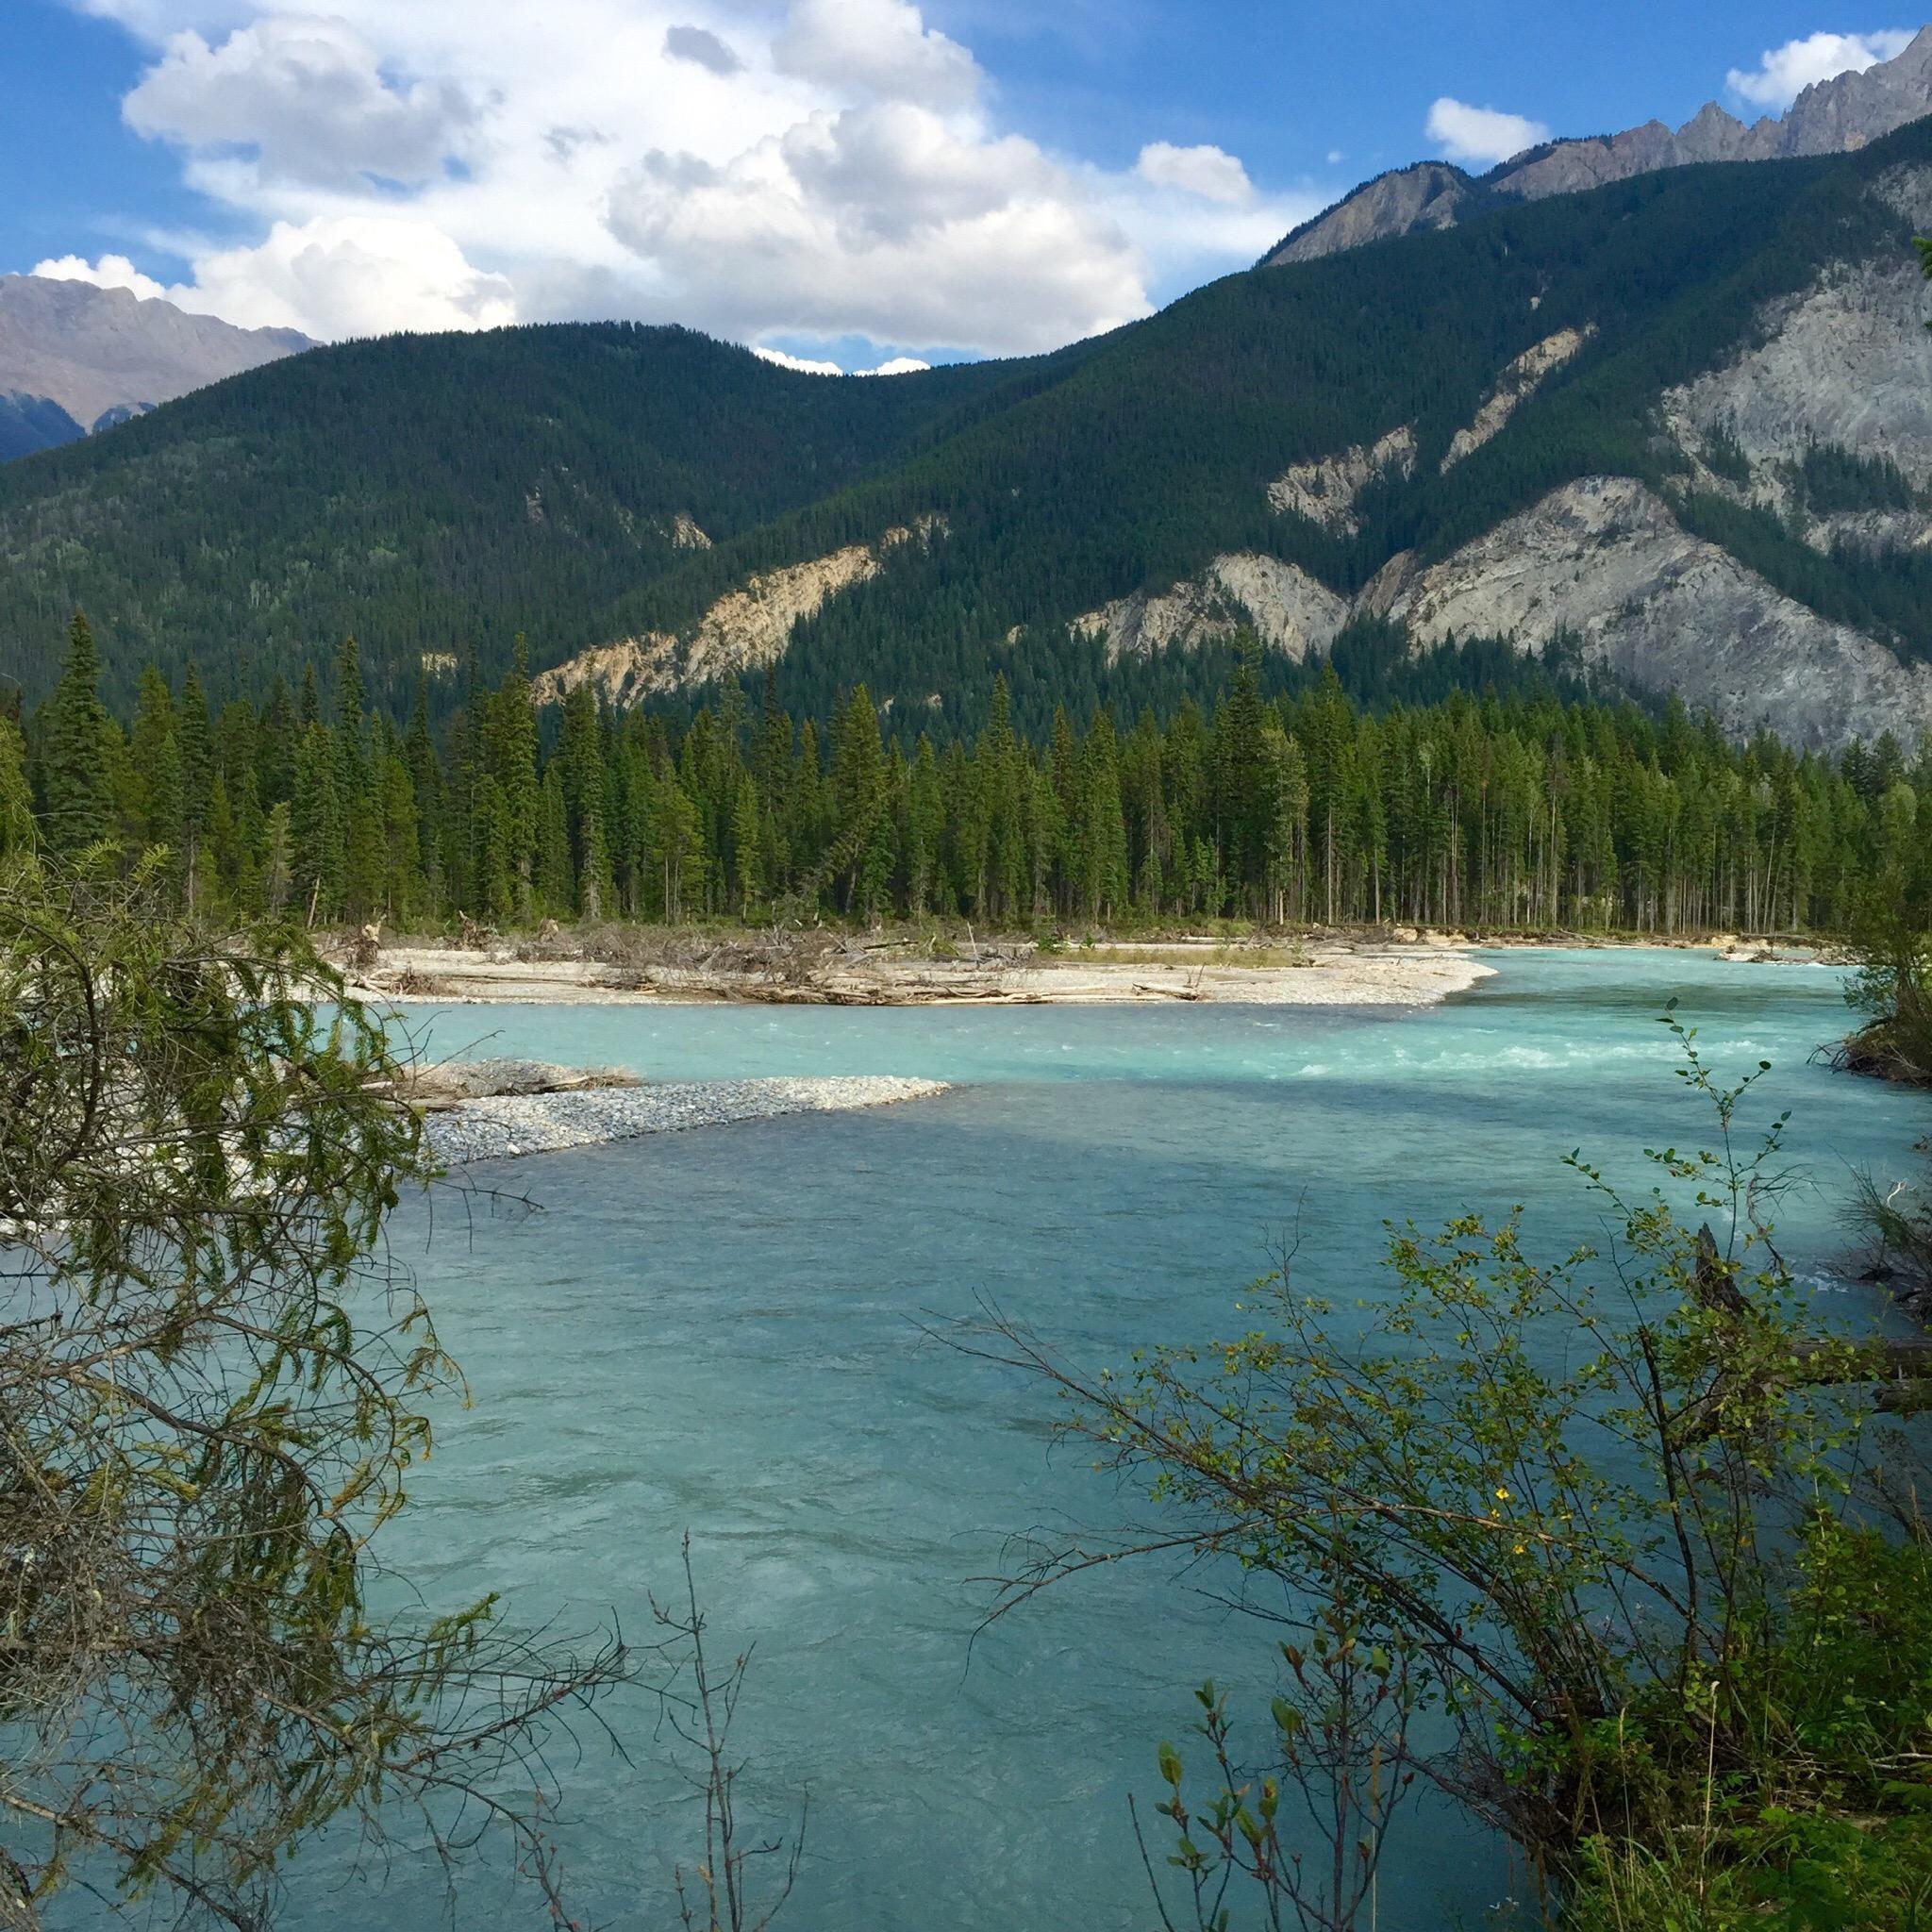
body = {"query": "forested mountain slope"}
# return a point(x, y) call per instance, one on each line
point(1494, 366)
point(1297, 449)
point(430, 494)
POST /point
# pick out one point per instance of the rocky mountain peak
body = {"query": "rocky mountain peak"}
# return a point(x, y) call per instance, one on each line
point(1833, 116)
point(101, 354)
point(1407, 201)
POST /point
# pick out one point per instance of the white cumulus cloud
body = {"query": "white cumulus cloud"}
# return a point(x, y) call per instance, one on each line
point(881, 48)
point(1783, 74)
point(306, 95)
point(1210, 172)
point(885, 221)
point(1481, 136)
point(776, 170)
point(109, 272)
point(350, 275)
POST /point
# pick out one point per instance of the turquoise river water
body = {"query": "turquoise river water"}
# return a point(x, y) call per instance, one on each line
point(721, 1332)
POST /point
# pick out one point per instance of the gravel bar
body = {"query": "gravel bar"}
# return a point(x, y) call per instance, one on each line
point(506, 1125)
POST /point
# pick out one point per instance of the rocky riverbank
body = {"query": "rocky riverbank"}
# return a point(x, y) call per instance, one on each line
point(503, 1126)
point(814, 970)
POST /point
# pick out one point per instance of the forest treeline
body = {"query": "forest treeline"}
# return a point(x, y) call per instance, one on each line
point(1517, 811)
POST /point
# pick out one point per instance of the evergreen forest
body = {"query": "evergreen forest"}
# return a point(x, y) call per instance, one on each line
point(1536, 807)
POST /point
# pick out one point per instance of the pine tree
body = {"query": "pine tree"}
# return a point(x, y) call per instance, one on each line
point(315, 828)
point(748, 866)
point(277, 858)
point(78, 751)
point(155, 803)
point(676, 845)
point(510, 753)
point(197, 763)
point(556, 883)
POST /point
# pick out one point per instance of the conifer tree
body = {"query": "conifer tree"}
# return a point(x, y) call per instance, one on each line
point(748, 862)
point(315, 828)
point(78, 748)
point(556, 883)
point(195, 740)
point(154, 807)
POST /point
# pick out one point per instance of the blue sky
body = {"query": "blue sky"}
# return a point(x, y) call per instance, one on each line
point(852, 180)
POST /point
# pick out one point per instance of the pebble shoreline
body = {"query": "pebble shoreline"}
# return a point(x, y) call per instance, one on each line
point(506, 1126)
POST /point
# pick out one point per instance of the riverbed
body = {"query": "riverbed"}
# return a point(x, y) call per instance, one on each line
point(724, 1331)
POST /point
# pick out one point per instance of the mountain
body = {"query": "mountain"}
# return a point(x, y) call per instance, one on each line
point(31, 423)
point(99, 355)
point(429, 493)
point(1837, 116)
point(1675, 432)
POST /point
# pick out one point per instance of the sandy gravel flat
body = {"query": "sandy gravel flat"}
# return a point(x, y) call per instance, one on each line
point(1335, 976)
point(504, 1127)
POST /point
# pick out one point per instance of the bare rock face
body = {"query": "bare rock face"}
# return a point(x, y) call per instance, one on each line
point(1848, 361)
point(1326, 492)
point(1572, 166)
point(106, 352)
point(1408, 202)
point(745, 630)
point(1518, 383)
point(1837, 116)
point(1830, 117)
point(1604, 560)
point(1287, 609)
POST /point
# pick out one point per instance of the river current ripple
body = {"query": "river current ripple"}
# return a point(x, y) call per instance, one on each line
point(724, 1331)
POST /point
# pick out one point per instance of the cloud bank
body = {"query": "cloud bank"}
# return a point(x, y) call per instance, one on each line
point(795, 170)
point(1480, 137)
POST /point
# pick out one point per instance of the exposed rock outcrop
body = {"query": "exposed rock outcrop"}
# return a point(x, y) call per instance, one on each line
point(1410, 201)
point(1519, 382)
point(1830, 117)
point(1288, 609)
point(104, 353)
point(745, 630)
point(1604, 560)
point(1326, 492)
point(1847, 362)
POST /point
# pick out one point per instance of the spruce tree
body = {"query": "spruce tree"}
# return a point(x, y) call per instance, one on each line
point(315, 827)
point(747, 860)
point(77, 747)
point(154, 802)
point(196, 751)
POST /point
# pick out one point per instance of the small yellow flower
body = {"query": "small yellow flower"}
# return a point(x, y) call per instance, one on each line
point(1502, 1496)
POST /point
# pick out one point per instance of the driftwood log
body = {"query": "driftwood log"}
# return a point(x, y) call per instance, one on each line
point(1897, 1368)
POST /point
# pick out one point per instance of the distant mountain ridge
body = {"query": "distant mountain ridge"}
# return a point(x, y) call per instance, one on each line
point(1676, 432)
point(1837, 116)
point(74, 357)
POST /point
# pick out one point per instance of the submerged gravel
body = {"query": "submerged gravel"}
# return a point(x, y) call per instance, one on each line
point(506, 1125)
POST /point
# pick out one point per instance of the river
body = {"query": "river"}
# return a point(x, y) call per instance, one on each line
point(724, 1332)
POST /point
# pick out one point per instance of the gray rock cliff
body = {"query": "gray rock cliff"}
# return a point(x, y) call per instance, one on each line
point(106, 352)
